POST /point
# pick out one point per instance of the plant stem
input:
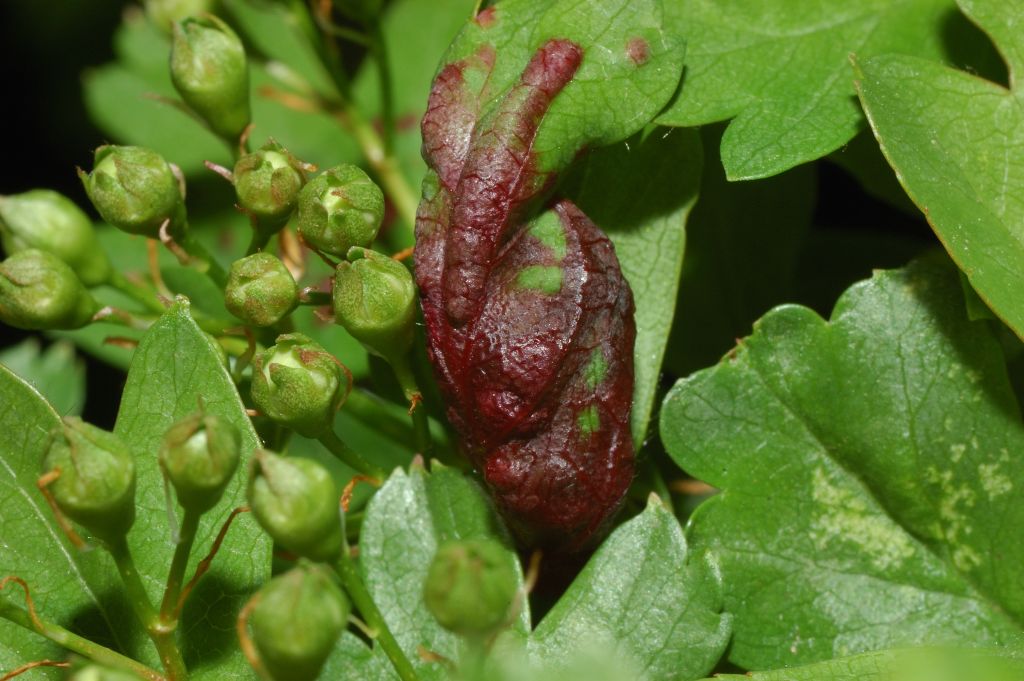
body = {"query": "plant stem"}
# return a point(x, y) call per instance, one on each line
point(378, 47)
point(421, 427)
point(76, 643)
point(348, 455)
point(374, 149)
point(141, 294)
point(203, 260)
point(353, 583)
point(176, 575)
point(162, 637)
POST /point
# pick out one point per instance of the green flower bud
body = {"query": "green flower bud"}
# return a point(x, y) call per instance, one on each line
point(298, 384)
point(267, 183)
point(199, 454)
point(209, 71)
point(164, 13)
point(96, 486)
point(51, 222)
point(260, 290)
point(339, 209)
point(134, 189)
point(471, 586)
point(375, 300)
point(297, 622)
point(296, 502)
point(40, 291)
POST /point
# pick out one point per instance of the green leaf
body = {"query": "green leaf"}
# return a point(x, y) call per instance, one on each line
point(405, 522)
point(951, 138)
point(644, 601)
point(73, 588)
point(631, 67)
point(640, 193)
point(743, 245)
point(903, 665)
point(175, 365)
point(781, 71)
point(55, 372)
point(869, 468)
point(353, 660)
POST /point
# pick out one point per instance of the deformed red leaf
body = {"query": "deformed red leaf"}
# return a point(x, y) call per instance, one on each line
point(529, 322)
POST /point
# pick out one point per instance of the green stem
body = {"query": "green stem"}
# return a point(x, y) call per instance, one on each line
point(356, 589)
point(387, 99)
point(162, 637)
point(383, 163)
point(420, 424)
point(203, 261)
point(141, 294)
point(76, 643)
point(348, 455)
point(176, 575)
point(258, 242)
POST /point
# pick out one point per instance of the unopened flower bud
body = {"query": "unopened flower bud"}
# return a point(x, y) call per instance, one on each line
point(134, 189)
point(298, 384)
point(199, 454)
point(209, 71)
point(297, 622)
point(96, 485)
point(40, 291)
point(471, 586)
point(260, 290)
point(296, 501)
point(164, 13)
point(49, 221)
point(375, 300)
point(339, 209)
point(267, 183)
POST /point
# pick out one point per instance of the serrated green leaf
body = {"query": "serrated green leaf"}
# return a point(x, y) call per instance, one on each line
point(631, 67)
point(951, 137)
point(175, 365)
point(73, 588)
point(780, 71)
point(644, 601)
point(405, 522)
point(869, 468)
point(57, 373)
point(903, 665)
point(353, 660)
point(743, 242)
point(640, 193)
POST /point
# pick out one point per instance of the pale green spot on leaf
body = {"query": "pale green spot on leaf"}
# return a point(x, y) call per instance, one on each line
point(596, 369)
point(544, 278)
point(548, 230)
point(589, 421)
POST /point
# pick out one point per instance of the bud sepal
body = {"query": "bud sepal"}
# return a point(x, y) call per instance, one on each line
point(260, 290)
point(297, 502)
point(298, 384)
point(339, 209)
point(96, 484)
point(375, 300)
point(199, 454)
point(297, 621)
point(39, 291)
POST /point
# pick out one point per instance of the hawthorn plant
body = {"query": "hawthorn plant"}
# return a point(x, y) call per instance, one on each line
point(428, 312)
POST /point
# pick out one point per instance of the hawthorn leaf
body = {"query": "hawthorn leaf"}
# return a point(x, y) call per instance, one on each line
point(353, 660)
point(643, 600)
point(954, 140)
point(174, 366)
point(921, 664)
point(869, 469)
point(73, 588)
point(781, 73)
point(56, 372)
point(743, 243)
point(405, 522)
point(641, 193)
